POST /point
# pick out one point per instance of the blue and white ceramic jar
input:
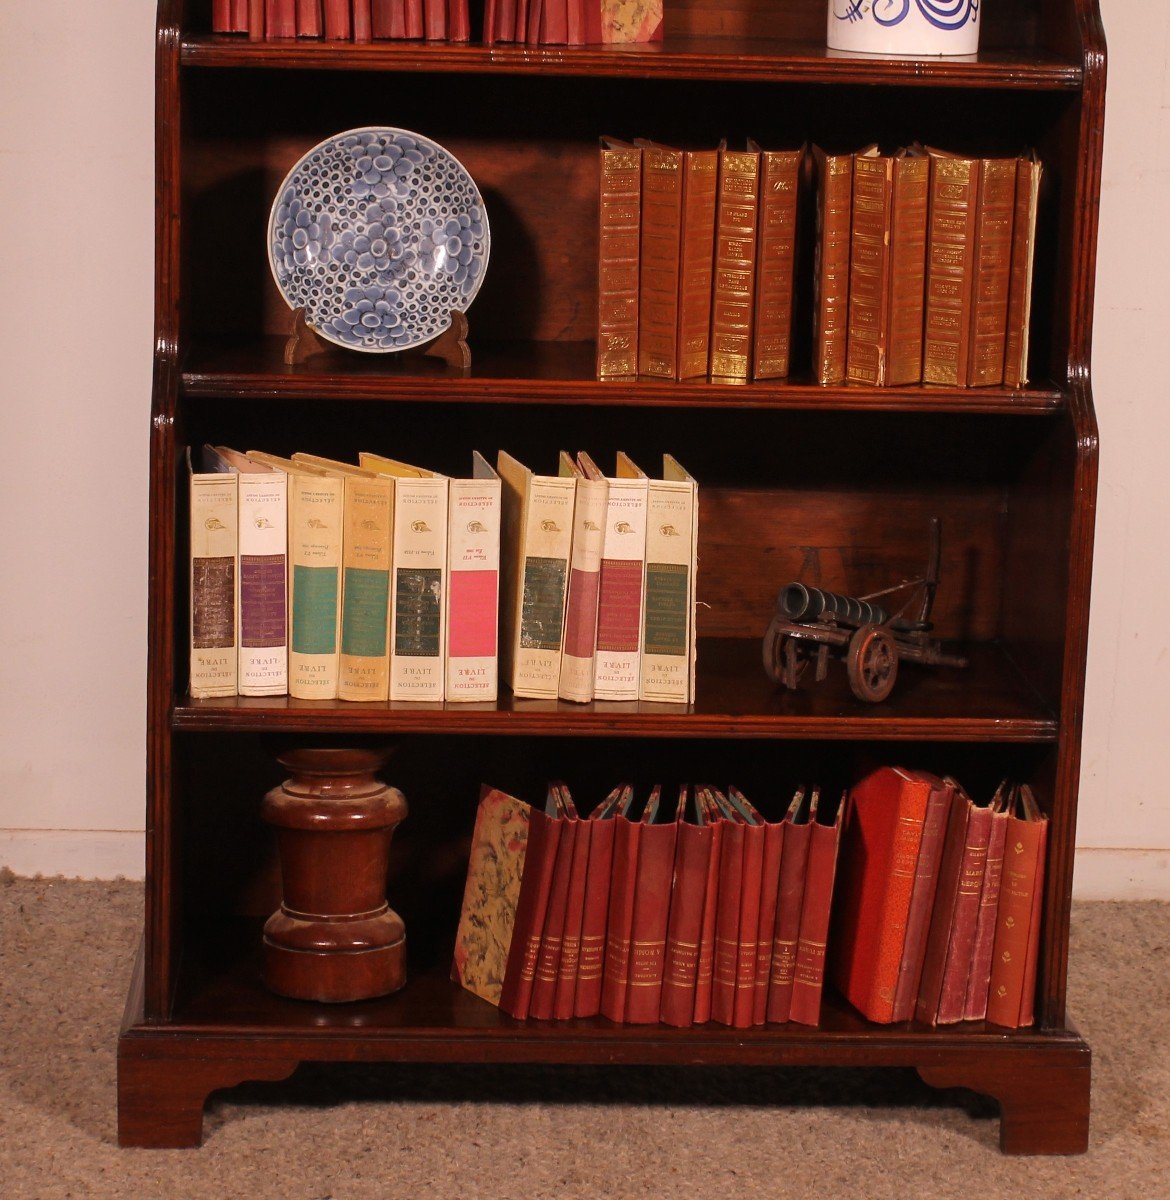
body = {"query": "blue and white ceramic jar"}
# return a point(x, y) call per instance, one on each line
point(905, 27)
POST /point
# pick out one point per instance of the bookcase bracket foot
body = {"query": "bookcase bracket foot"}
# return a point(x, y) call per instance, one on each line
point(1044, 1107)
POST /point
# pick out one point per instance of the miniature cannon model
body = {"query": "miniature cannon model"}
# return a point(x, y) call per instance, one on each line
point(810, 625)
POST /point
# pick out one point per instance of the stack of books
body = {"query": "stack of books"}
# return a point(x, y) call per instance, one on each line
point(653, 909)
point(572, 22)
point(939, 919)
point(343, 20)
point(379, 580)
point(924, 267)
point(696, 261)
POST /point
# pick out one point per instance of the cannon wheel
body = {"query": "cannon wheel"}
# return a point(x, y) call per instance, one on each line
point(782, 662)
point(872, 663)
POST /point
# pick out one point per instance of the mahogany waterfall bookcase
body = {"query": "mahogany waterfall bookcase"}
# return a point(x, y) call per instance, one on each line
point(832, 484)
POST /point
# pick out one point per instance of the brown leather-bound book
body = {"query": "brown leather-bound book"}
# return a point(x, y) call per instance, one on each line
point(662, 191)
point(435, 20)
point(705, 975)
point(727, 916)
point(687, 904)
point(769, 892)
point(934, 828)
point(775, 261)
point(309, 18)
point(544, 833)
point(458, 21)
point(656, 848)
point(993, 253)
point(280, 19)
point(732, 303)
point(623, 884)
point(548, 959)
point(1019, 314)
point(906, 309)
point(749, 908)
point(834, 209)
point(824, 846)
point(337, 21)
point(696, 262)
point(570, 960)
point(1011, 1000)
point(789, 898)
point(881, 839)
point(975, 1003)
point(869, 267)
point(619, 255)
point(593, 918)
point(950, 268)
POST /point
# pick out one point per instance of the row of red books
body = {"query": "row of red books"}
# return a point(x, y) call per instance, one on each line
point(939, 915)
point(343, 20)
point(648, 911)
point(572, 22)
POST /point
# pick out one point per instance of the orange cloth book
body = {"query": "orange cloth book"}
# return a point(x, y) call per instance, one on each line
point(879, 859)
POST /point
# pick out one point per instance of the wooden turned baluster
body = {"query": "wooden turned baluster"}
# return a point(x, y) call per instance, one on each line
point(334, 937)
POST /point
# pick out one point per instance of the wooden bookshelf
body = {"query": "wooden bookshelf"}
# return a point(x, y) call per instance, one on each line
point(787, 470)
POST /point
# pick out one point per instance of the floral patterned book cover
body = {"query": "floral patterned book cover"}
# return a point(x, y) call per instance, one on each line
point(631, 20)
point(496, 867)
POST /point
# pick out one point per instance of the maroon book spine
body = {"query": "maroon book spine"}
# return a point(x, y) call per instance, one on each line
point(337, 26)
point(593, 35)
point(685, 931)
point(656, 846)
point(809, 983)
point(415, 24)
point(309, 18)
point(769, 892)
point(1028, 996)
point(280, 19)
point(506, 22)
point(488, 36)
point(934, 830)
point(962, 944)
point(575, 20)
point(539, 860)
point(548, 961)
point(221, 16)
point(256, 9)
point(975, 1005)
point(727, 922)
point(749, 926)
point(458, 21)
point(594, 919)
point(531, 30)
point(623, 883)
point(435, 20)
point(793, 868)
point(555, 23)
point(363, 21)
point(386, 18)
point(705, 974)
point(574, 913)
point(239, 16)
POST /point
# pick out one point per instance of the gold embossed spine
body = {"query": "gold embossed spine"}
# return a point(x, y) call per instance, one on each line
point(869, 269)
point(735, 264)
point(662, 170)
point(993, 250)
point(619, 247)
point(696, 266)
point(775, 265)
point(950, 249)
point(831, 267)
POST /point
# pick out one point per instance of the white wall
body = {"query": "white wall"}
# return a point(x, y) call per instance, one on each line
point(76, 210)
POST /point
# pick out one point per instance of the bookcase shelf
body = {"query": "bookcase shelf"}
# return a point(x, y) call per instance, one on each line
point(834, 485)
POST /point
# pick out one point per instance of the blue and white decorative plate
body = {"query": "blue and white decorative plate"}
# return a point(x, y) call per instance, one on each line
point(378, 234)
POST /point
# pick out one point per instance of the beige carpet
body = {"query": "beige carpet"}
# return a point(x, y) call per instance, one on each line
point(416, 1132)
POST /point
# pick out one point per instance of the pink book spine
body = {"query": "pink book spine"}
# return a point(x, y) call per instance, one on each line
point(239, 16)
point(256, 19)
point(309, 18)
point(337, 20)
point(435, 20)
point(555, 23)
point(415, 25)
point(363, 26)
point(221, 16)
point(576, 22)
point(280, 19)
point(458, 21)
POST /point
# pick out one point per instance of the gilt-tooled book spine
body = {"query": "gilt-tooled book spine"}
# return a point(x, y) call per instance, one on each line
point(594, 920)
point(570, 962)
point(705, 971)
point(619, 254)
point(214, 499)
point(727, 922)
point(992, 271)
point(685, 930)
point(656, 848)
point(580, 641)
point(542, 1004)
point(696, 262)
point(668, 624)
point(834, 211)
point(975, 1002)
point(869, 269)
point(1015, 360)
point(473, 586)
point(907, 269)
point(786, 937)
point(950, 250)
point(365, 589)
point(808, 985)
point(732, 306)
point(769, 892)
point(418, 642)
point(337, 20)
point(775, 265)
point(280, 19)
point(309, 18)
point(658, 307)
point(749, 926)
point(619, 924)
point(263, 583)
point(315, 513)
point(617, 670)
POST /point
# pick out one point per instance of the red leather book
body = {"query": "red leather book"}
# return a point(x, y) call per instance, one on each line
point(575, 19)
point(705, 973)
point(687, 902)
point(882, 835)
point(363, 21)
point(337, 20)
point(934, 829)
point(517, 29)
point(656, 848)
point(221, 16)
point(415, 24)
point(1011, 1001)
point(544, 832)
point(388, 18)
point(769, 894)
point(596, 911)
point(975, 1003)
point(309, 18)
point(488, 35)
point(256, 11)
point(238, 21)
point(531, 31)
point(548, 960)
point(555, 23)
point(662, 193)
point(824, 843)
point(731, 877)
point(749, 908)
point(566, 990)
point(789, 898)
point(956, 909)
point(435, 20)
point(593, 34)
point(623, 883)
point(458, 21)
point(280, 19)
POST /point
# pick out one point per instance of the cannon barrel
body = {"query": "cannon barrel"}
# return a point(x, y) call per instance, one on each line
point(800, 603)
